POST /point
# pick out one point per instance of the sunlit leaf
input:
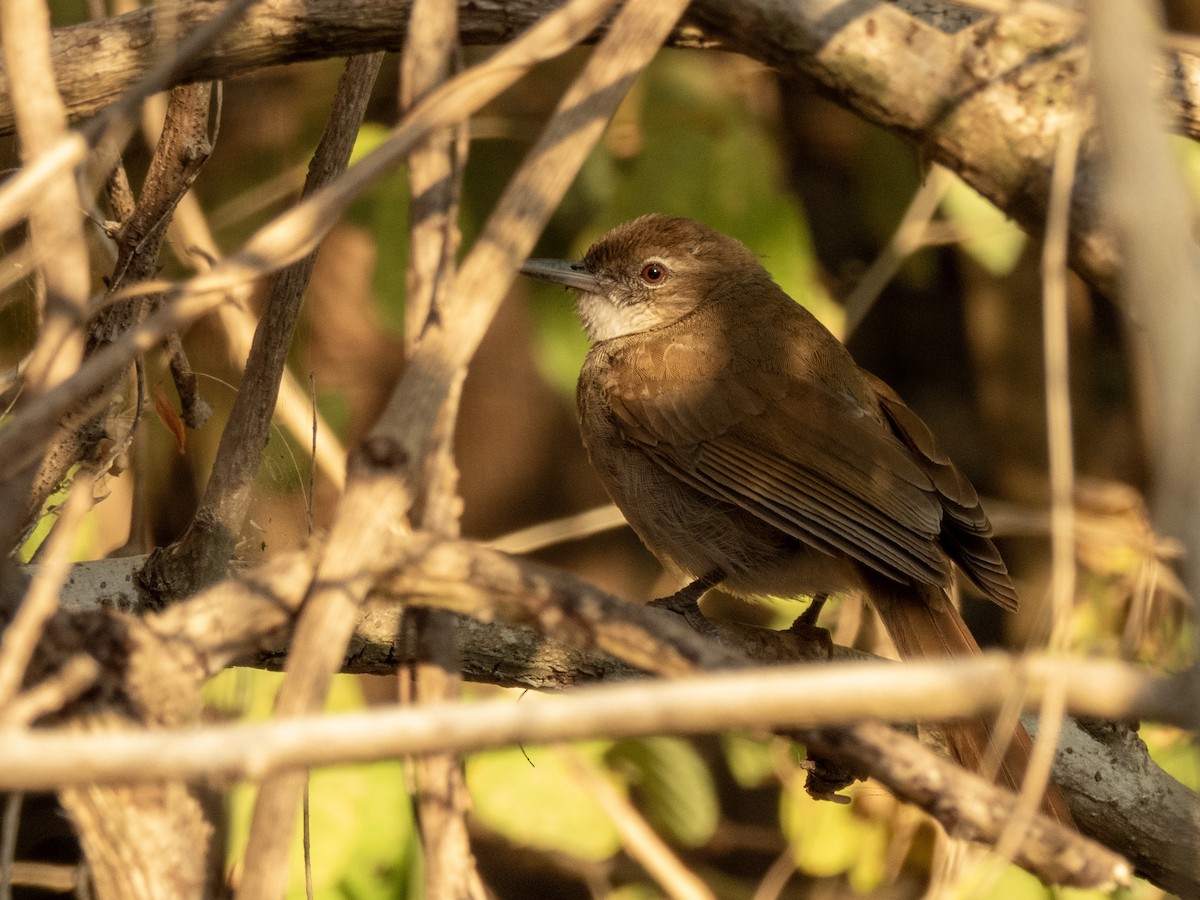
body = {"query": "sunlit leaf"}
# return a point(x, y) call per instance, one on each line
point(534, 797)
point(675, 788)
point(750, 759)
point(989, 236)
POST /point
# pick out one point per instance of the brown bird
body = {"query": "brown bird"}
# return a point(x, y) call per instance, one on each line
point(748, 450)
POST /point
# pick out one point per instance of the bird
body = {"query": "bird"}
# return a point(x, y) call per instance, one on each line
point(748, 450)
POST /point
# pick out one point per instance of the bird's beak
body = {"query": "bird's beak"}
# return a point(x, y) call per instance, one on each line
point(560, 271)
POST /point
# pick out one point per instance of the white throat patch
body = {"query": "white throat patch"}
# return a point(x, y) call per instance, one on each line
point(604, 321)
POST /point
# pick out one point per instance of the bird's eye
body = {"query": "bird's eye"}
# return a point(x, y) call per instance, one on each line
point(654, 273)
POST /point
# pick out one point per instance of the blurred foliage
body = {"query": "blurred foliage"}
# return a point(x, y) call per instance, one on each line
point(674, 785)
point(832, 839)
point(364, 842)
point(384, 213)
point(750, 759)
point(532, 796)
point(694, 137)
point(987, 234)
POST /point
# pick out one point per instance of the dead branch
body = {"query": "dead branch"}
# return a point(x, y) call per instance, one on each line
point(435, 172)
point(811, 699)
point(199, 558)
point(388, 470)
point(955, 81)
point(1106, 773)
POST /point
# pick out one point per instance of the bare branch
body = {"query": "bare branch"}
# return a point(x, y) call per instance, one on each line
point(55, 234)
point(953, 80)
point(1106, 773)
point(384, 486)
point(1153, 215)
point(435, 170)
point(199, 558)
point(805, 698)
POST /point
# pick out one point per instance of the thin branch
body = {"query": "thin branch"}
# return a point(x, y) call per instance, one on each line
point(182, 149)
point(803, 698)
point(77, 674)
point(776, 697)
point(559, 531)
point(639, 840)
point(435, 172)
point(56, 231)
point(908, 237)
point(1061, 453)
point(1153, 217)
point(249, 617)
point(293, 407)
point(380, 496)
point(57, 241)
point(199, 558)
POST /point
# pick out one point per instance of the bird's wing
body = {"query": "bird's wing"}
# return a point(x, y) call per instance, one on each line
point(799, 456)
point(966, 529)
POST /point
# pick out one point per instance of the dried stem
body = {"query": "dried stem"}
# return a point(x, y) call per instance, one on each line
point(199, 558)
point(55, 237)
point(382, 489)
point(435, 170)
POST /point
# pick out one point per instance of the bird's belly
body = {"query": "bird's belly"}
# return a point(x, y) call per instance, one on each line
point(694, 534)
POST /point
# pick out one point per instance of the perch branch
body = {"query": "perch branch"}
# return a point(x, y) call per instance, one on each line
point(1107, 774)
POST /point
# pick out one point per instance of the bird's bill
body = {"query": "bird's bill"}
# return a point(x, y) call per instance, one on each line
point(561, 271)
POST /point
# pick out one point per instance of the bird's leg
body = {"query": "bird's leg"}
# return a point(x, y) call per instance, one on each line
point(686, 601)
point(806, 626)
point(808, 618)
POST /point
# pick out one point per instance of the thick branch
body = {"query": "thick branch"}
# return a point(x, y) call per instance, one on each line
point(984, 95)
point(1106, 774)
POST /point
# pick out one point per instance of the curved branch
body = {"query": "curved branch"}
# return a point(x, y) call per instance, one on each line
point(1106, 773)
point(984, 95)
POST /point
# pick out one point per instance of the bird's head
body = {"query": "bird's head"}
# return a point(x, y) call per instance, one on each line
point(647, 273)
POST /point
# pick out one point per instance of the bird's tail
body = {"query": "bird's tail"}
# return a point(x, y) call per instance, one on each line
point(929, 626)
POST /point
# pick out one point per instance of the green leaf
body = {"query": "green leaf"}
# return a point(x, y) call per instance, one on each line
point(674, 785)
point(991, 238)
point(535, 798)
point(364, 842)
point(830, 839)
point(750, 759)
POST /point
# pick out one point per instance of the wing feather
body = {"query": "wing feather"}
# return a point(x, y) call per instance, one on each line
point(817, 467)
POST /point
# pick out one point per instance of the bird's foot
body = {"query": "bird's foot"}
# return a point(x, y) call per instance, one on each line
point(686, 602)
point(805, 626)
